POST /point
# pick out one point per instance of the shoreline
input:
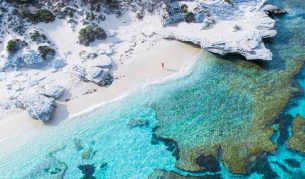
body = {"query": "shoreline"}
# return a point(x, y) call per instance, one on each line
point(178, 58)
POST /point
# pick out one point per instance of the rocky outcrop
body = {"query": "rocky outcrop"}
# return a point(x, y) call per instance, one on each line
point(38, 106)
point(95, 70)
point(272, 10)
point(26, 58)
point(217, 32)
point(53, 91)
point(58, 63)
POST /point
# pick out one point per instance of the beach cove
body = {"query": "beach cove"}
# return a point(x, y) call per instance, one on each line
point(202, 116)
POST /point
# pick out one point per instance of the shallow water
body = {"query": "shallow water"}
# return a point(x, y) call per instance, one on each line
point(217, 97)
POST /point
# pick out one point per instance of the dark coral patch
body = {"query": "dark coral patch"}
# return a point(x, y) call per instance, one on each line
point(283, 121)
point(87, 169)
point(208, 162)
point(283, 167)
point(262, 166)
point(293, 163)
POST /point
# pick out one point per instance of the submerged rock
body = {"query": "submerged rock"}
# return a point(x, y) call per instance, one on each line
point(37, 106)
point(138, 123)
point(51, 167)
point(78, 144)
point(293, 163)
point(87, 169)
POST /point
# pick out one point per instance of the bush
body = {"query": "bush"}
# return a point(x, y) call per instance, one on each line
point(184, 8)
point(100, 33)
point(38, 37)
point(20, 1)
point(237, 28)
point(41, 15)
point(15, 45)
point(46, 52)
point(229, 1)
point(89, 34)
point(189, 17)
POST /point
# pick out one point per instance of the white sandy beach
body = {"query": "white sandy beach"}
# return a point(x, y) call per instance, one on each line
point(144, 66)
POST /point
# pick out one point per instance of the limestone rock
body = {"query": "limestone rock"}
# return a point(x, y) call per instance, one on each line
point(272, 10)
point(215, 33)
point(37, 106)
point(31, 58)
point(96, 70)
point(53, 91)
point(58, 63)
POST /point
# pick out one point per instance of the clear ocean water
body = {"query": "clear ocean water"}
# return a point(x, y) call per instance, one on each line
point(105, 146)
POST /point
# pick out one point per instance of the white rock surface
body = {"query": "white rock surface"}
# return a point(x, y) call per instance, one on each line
point(58, 63)
point(95, 70)
point(53, 91)
point(221, 38)
point(37, 106)
point(272, 10)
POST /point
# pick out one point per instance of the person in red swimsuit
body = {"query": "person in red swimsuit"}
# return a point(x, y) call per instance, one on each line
point(162, 65)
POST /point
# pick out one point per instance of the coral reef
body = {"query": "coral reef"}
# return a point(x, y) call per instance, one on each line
point(297, 140)
point(237, 109)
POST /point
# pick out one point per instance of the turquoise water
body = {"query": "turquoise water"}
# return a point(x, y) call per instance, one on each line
point(104, 142)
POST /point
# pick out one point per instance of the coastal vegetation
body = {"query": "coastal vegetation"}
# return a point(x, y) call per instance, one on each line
point(20, 1)
point(189, 17)
point(41, 15)
point(46, 52)
point(184, 8)
point(15, 45)
point(89, 34)
point(38, 37)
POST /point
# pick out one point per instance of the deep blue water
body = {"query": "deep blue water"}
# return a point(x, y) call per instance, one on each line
point(104, 142)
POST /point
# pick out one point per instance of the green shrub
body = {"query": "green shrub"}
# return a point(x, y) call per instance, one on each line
point(229, 1)
point(100, 33)
point(15, 45)
point(20, 1)
point(184, 8)
point(46, 52)
point(189, 17)
point(38, 37)
point(42, 15)
point(88, 34)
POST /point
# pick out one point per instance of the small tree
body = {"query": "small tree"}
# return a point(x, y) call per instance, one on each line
point(38, 37)
point(42, 15)
point(15, 45)
point(189, 17)
point(89, 34)
point(46, 52)
point(184, 8)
